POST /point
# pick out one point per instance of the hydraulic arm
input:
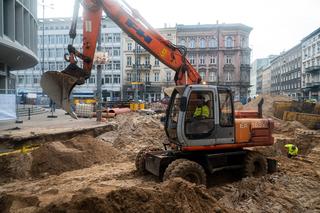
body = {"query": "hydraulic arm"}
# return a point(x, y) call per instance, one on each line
point(58, 85)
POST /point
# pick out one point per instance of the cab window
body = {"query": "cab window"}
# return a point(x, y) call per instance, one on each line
point(226, 108)
point(199, 117)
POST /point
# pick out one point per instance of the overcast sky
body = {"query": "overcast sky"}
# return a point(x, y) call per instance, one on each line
point(277, 24)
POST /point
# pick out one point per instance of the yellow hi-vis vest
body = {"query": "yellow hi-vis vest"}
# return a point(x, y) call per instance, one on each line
point(202, 111)
point(292, 149)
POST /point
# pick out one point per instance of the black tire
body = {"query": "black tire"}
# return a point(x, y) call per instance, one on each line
point(186, 169)
point(141, 159)
point(255, 165)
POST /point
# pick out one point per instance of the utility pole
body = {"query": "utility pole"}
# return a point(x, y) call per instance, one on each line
point(136, 92)
point(99, 95)
point(218, 49)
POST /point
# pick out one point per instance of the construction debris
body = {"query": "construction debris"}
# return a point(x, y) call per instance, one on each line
point(98, 174)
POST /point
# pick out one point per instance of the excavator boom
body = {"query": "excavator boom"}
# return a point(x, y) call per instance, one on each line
point(58, 85)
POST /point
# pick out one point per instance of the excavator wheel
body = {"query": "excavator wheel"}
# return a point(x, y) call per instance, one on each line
point(141, 159)
point(255, 164)
point(186, 169)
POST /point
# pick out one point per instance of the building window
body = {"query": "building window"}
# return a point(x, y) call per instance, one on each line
point(51, 39)
point(168, 76)
point(212, 60)
point(202, 43)
point(229, 42)
point(156, 77)
point(202, 75)
point(116, 79)
point(51, 53)
point(191, 59)
point(129, 61)
point(138, 60)
point(213, 42)
point(228, 76)
point(36, 79)
point(116, 65)
point(116, 37)
point(108, 79)
point(147, 62)
point(183, 42)
point(228, 59)
point(244, 42)
point(20, 79)
point(156, 63)
point(147, 77)
point(116, 51)
point(129, 46)
point(129, 76)
point(212, 76)
point(202, 60)
point(92, 79)
point(109, 65)
point(192, 43)
point(109, 38)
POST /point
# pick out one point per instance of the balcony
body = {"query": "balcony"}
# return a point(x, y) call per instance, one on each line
point(244, 67)
point(141, 52)
point(146, 67)
point(314, 84)
point(313, 69)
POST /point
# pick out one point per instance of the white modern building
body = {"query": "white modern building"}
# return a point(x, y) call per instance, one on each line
point(56, 39)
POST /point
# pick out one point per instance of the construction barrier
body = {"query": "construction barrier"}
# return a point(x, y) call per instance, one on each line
point(134, 107)
point(84, 110)
point(312, 121)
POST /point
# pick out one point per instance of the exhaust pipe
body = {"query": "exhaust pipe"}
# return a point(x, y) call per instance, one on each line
point(260, 107)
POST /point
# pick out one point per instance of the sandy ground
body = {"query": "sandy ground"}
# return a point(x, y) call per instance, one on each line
point(111, 184)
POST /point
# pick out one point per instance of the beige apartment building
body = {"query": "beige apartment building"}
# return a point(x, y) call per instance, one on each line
point(144, 72)
point(220, 53)
point(266, 80)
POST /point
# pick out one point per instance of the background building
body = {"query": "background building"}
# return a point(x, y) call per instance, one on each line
point(256, 75)
point(266, 80)
point(220, 53)
point(144, 72)
point(311, 65)
point(286, 73)
point(18, 40)
point(56, 40)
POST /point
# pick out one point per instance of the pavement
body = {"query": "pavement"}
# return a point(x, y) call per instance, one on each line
point(41, 124)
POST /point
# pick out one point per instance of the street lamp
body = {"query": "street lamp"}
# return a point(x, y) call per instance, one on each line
point(50, 6)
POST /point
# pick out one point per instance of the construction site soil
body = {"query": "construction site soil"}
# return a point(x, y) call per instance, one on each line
point(87, 174)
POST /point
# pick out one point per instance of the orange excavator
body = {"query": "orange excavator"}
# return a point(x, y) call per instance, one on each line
point(198, 145)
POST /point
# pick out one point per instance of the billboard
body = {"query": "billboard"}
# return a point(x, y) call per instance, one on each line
point(7, 107)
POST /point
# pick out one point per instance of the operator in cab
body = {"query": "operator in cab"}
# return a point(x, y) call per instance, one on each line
point(202, 111)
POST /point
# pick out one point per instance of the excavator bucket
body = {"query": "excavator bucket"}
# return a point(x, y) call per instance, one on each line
point(58, 86)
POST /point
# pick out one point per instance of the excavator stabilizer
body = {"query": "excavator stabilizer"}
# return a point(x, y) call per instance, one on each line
point(58, 86)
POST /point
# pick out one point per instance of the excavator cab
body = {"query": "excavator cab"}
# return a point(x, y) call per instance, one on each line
point(216, 126)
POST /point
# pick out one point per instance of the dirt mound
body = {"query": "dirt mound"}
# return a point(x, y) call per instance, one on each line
point(173, 196)
point(267, 107)
point(286, 127)
point(79, 152)
point(14, 203)
point(134, 133)
point(15, 166)
point(279, 192)
point(57, 157)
